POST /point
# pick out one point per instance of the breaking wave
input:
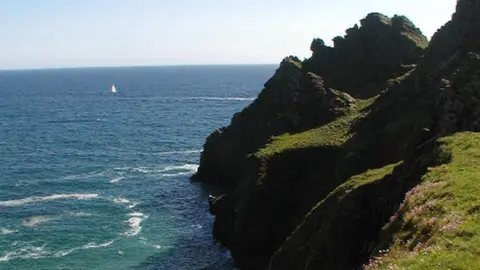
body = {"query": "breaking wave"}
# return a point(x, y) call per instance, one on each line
point(134, 223)
point(38, 199)
point(117, 179)
point(32, 252)
point(221, 98)
point(93, 245)
point(129, 204)
point(28, 252)
point(185, 169)
point(4, 231)
point(194, 151)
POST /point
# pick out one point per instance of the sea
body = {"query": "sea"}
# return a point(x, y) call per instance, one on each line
point(91, 179)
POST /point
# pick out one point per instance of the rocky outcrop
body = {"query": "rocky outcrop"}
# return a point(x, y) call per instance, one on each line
point(368, 55)
point(344, 230)
point(458, 35)
point(298, 96)
point(292, 101)
point(318, 196)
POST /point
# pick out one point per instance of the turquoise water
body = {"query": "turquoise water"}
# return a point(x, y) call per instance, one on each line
point(95, 180)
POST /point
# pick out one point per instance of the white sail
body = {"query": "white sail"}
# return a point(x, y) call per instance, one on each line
point(114, 90)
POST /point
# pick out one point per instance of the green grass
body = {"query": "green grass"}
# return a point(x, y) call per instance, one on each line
point(332, 134)
point(365, 178)
point(357, 181)
point(440, 218)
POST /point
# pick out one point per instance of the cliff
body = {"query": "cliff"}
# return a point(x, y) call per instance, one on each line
point(363, 60)
point(351, 159)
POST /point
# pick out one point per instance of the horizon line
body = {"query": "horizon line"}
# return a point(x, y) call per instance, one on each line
point(137, 66)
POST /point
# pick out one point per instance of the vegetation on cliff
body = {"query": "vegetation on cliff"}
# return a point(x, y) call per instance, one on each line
point(342, 161)
point(437, 225)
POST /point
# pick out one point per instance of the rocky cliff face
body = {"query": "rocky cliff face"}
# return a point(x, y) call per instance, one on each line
point(310, 177)
point(350, 225)
point(292, 101)
point(458, 35)
point(363, 216)
point(368, 55)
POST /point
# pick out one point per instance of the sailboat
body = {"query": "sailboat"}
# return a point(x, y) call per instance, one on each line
point(114, 90)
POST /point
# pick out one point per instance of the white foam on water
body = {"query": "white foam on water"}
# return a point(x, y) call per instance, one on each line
point(136, 214)
point(132, 205)
point(4, 231)
point(116, 180)
point(175, 174)
point(93, 245)
point(134, 223)
point(88, 175)
point(121, 200)
point(135, 227)
point(188, 167)
point(121, 169)
point(37, 199)
point(184, 169)
point(149, 244)
point(28, 252)
point(143, 170)
point(64, 253)
point(86, 246)
point(37, 220)
point(80, 214)
point(129, 204)
point(180, 152)
point(32, 252)
point(222, 98)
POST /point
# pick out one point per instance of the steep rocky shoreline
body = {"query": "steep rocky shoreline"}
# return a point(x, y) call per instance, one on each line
point(315, 173)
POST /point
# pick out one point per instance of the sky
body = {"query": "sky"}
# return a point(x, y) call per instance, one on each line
point(88, 33)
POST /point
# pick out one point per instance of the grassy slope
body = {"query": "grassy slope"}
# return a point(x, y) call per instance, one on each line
point(324, 220)
point(438, 226)
point(335, 133)
point(365, 178)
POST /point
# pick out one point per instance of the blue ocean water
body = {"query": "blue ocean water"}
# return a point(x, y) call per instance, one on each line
point(95, 180)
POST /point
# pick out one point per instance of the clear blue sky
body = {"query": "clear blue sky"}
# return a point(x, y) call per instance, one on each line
point(75, 33)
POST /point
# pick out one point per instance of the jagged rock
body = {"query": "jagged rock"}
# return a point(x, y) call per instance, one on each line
point(362, 60)
point(220, 204)
point(292, 101)
point(458, 35)
point(459, 105)
point(342, 232)
point(266, 199)
point(222, 207)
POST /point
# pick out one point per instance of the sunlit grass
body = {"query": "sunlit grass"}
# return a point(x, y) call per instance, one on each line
point(332, 134)
point(440, 224)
